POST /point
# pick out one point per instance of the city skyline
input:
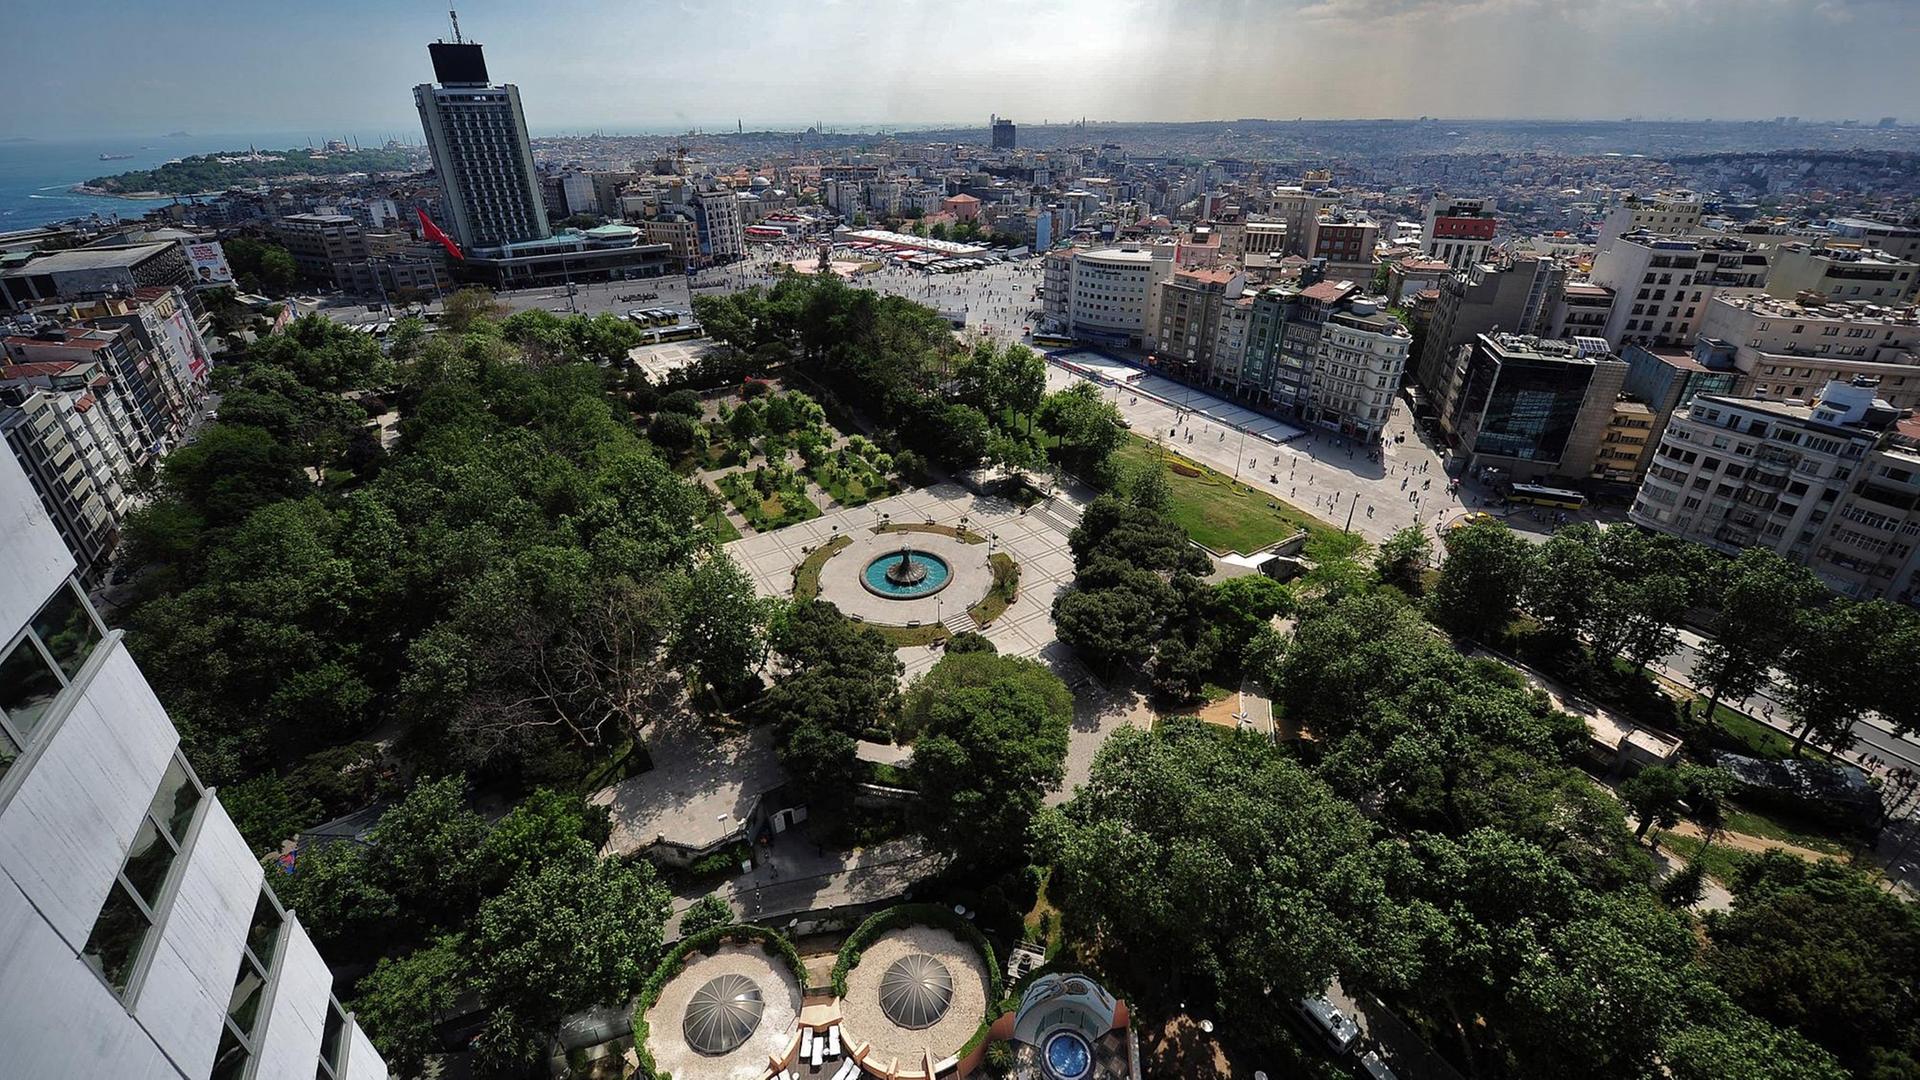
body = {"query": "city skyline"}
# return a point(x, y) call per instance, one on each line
point(654, 69)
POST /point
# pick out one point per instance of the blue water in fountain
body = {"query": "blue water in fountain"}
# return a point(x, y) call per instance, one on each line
point(937, 573)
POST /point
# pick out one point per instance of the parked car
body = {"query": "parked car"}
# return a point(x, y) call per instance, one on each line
point(1373, 1068)
point(1334, 1027)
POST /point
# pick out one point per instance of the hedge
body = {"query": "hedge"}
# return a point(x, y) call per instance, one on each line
point(900, 915)
point(704, 941)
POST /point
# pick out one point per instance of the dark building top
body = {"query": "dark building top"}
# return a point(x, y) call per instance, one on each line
point(458, 63)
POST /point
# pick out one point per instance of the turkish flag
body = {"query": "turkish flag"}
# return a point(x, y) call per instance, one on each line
point(433, 233)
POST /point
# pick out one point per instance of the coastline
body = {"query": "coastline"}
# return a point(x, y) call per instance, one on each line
point(138, 196)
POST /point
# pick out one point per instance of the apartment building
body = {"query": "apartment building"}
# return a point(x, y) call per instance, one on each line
point(1659, 295)
point(142, 388)
point(1732, 262)
point(1298, 208)
point(1189, 309)
point(1230, 345)
point(1515, 295)
point(71, 439)
point(1363, 355)
point(1536, 409)
point(1667, 380)
point(482, 156)
point(1833, 484)
point(1581, 310)
point(142, 937)
point(1841, 271)
point(1458, 231)
point(1263, 238)
point(1788, 350)
point(1346, 240)
point(1625, 443)
point(1667, 213)
point(320, 242)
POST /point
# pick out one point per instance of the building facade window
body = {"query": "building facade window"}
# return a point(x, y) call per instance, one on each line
point(126, 921)
point(39, 663)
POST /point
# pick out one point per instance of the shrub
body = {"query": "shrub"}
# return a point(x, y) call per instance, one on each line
point(706, 913)
point(900, 915)
point(705, 941)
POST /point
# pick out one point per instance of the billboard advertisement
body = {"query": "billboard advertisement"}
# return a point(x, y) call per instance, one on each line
point(209, 264)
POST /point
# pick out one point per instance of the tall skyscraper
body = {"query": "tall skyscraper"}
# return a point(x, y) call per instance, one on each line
point(1004, 133)
point(478, 137)
point(139, 936)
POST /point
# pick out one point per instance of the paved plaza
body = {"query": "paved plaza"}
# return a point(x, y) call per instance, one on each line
point(841, 585)
point(1036, 540)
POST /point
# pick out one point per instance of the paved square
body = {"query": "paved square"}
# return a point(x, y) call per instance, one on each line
point(1035, 540)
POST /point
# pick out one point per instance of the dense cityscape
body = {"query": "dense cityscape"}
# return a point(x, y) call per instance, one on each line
point(1433, 598)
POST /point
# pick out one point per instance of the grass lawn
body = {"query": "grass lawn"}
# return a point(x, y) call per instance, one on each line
point(849, 479)
point(720, 527)
point(1722, 862)
point(963, 535)
point(1744, 735)
point(1216, 511)
point(806, 576)
point(783, 507)
point(906, 637)
point(1787, 830)
point(1006, 585)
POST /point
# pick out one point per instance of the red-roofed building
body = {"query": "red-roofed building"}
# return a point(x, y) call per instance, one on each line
point(1458, 231)
point(963, 207)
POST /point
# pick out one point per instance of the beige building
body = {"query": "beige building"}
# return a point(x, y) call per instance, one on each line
point(72, 439)
point(1841, 271)
point(1788, 350)
point(1833, 484)
point(1666, 213)
point(1189, 310)
point(1624, 444)
point(1297, 208)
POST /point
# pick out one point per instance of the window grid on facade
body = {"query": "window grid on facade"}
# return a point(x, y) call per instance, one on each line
point(117, 945)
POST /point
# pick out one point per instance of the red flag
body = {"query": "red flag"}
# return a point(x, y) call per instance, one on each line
point(433, 233)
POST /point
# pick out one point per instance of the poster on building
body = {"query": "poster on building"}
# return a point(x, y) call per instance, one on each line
point(209, 264)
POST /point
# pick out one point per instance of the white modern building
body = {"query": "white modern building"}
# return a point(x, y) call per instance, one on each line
point(1833, 484)
point(716, 213)
point(1113, 294)
point(138, 935)
point(1659, 290)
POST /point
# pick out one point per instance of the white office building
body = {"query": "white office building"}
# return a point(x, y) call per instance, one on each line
point(1113, 294)
point(138, 935)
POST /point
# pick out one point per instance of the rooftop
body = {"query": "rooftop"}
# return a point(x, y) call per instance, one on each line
point(82, 259)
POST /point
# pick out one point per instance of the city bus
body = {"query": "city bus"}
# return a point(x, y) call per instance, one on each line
point(1053, 341)
point(1536, 495)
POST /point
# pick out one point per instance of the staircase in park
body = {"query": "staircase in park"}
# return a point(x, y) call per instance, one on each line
point(960, 623)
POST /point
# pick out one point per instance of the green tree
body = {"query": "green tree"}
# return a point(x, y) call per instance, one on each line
point(1403, 558)
point(1088, 427)
point(1822, 949)
point(721, 628)
point(1654, 794)
point(984, 760)
point(423, 852)
point(460, 311)
point(1480, 579)
point(578, 933)
point(1240, 607)
point(1178, 821)
point(1832, 677)
point(1149, 487)
point(838, 679)
point(1564, 584)
point(403, 1002)
point(706, 913)
point(1758, 598)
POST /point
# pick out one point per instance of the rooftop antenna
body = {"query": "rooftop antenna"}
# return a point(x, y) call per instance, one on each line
point(455, 16)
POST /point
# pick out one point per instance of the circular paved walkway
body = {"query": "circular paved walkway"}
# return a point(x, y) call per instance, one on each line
point(748, 1061)
point(841, 586)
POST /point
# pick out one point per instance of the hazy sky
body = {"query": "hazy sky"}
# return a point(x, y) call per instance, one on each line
point(84, 67)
